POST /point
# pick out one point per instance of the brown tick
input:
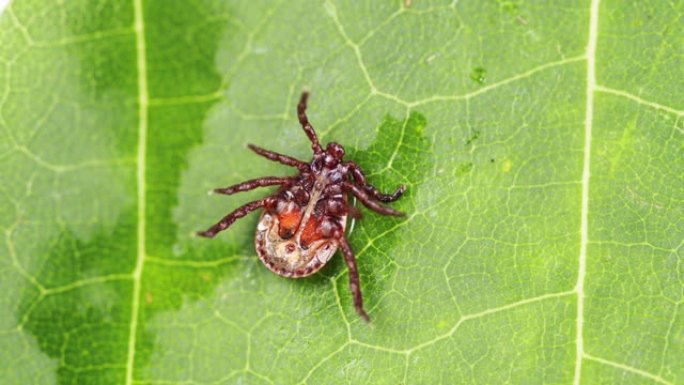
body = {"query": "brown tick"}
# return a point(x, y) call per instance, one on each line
point(303, 223)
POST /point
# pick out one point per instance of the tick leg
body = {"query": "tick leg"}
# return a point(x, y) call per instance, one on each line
point(354, 283)
point(372, 190)
point(231, 218)
point(304, 121)
point(254, 183)
point(354, 212)
point(280, 158)
point(368, 202)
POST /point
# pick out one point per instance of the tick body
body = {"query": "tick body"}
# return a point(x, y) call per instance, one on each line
point(303, 223)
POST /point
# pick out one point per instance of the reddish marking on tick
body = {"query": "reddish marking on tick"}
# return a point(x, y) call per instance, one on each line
point(312, 232)
point(303, 223)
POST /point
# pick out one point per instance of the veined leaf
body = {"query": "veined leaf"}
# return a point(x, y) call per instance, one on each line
point(541, 145)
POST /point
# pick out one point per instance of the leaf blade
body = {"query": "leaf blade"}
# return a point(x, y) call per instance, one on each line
point(476, 285)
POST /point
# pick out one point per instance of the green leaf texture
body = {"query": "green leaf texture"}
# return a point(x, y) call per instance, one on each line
point(541, 142)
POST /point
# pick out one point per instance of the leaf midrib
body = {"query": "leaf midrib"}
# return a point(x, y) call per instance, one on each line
point(586, 174)
point(143, 100)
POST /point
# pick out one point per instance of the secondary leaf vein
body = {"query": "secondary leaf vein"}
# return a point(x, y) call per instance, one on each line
point(627, 368)
point(639, 100)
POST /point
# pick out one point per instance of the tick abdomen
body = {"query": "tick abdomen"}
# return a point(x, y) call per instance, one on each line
point(296, 236)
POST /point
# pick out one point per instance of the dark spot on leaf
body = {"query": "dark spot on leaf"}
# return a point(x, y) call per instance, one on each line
point(463, 169)
point(509, 6)
point(408, 142)
point(473, 137)
point(479, 75)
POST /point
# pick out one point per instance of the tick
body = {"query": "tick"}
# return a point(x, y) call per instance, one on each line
point(303, 223)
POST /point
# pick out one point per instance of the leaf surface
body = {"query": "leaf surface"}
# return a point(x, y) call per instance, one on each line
point(541, 145)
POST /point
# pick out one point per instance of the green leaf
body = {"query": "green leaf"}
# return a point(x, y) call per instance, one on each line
point(541, 145)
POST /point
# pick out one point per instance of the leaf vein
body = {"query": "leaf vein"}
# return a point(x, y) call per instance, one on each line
point(639, 100)
point(143, 101)
point(586, 174)
point(626, 368)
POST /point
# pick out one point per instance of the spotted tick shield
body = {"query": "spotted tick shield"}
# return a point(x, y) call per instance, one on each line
point(304, 222)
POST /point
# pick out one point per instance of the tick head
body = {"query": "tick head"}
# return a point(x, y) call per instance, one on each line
point(334, 154)
point(335, 150)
